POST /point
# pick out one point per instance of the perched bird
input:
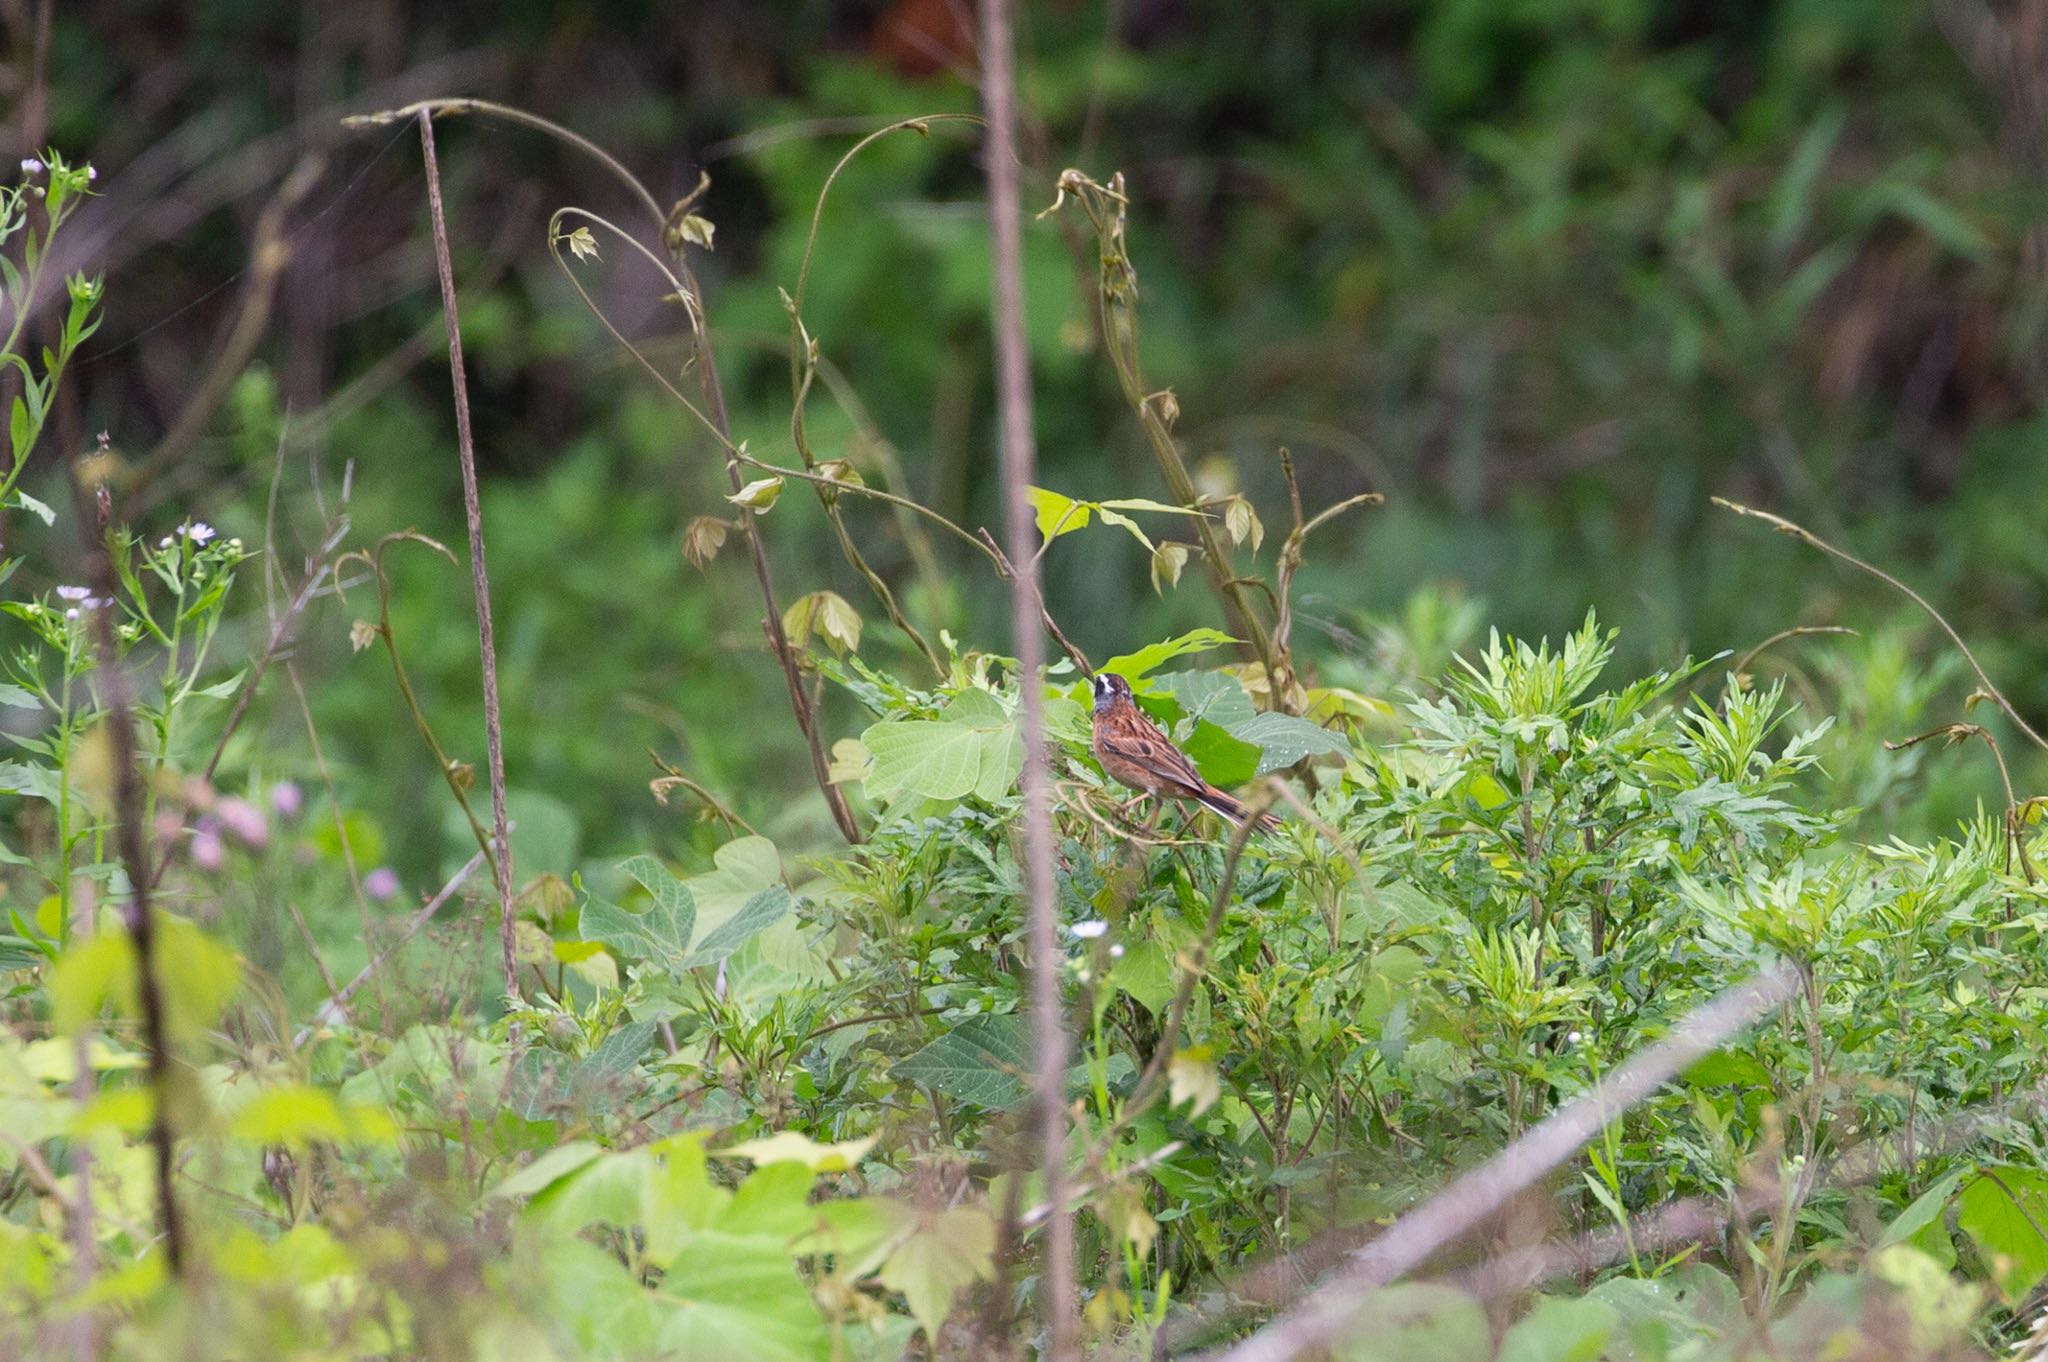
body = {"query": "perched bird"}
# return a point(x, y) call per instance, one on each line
point(1135, 751)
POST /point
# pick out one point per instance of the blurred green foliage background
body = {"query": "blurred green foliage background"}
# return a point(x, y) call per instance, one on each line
point(1548, 273)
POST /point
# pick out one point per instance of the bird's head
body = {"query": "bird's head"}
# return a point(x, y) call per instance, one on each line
point(1109, 688)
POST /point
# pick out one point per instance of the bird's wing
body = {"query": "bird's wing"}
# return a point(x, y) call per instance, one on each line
point(1142, 744)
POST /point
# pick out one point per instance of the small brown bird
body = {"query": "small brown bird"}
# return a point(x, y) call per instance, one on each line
point(1135, 751)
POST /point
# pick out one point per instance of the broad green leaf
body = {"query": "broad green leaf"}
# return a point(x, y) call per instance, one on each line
point(1417, 1320)
point(789, 1146)
point(593, 1299)
point(296, 1114)
point(724, 1297)
point(1223, 760)
point(741, 869)
point(660, 936)
point(14, 697)
point(1209, 695)
point(1133, 666)
point(670, 894)
point(1145, 973)
point(2002, 1211)
point(971, 748)
point(759, 495)
point(88, 975)
point(550, 1168)
point(944, 1253)
point(755, 916)
point(1056, 514)
point(24, 778)
point(1560, 1330)
point(1283, 740)
point(34, 507)
point(983, 1060)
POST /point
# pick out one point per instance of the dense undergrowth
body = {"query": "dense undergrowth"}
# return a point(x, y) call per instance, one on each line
point(767, 1102)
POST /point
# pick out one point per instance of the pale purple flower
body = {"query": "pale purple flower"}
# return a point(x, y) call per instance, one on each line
point(381, 883)
point(91, 173)
point(208, 851)
point(244, 820)
point(75, 593)
point(199, 532)
point(287, 798)
point(1089, 930)
point(30, 165)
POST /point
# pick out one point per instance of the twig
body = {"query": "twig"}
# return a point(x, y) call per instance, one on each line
point(669, 776)
point(1028, 581)
point(1800, 532)
point(1797, 631)
point(479, 574)
point(130, 837)
point(1467, 1202)
point(1013, 399)
point(334, 1009)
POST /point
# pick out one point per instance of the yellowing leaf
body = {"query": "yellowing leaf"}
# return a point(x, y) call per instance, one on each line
point(851, 760)
point(1191, 1077)
point(1167, 562)
point(703, 537)
point(582, 244)
point(946, 1253)
point(1057, 515)
point(696, 230)
point(1243, 523)
point(789, 1146)
point(758, 495)
point(826, 614)
point(1110, 517)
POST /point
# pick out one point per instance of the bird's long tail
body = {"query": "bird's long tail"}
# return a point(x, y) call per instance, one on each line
point(1231, 811)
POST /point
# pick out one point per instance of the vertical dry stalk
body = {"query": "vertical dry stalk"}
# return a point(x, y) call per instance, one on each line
point(1013, 396)
point(479, 575)
point(132, 841)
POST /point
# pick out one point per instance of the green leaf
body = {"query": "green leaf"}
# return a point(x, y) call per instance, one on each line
point(1142, 504)
point(1560, 1330)
point(1926, 1210)
point(1133, 666)
point(2001, 1212)
point(550, 1168)
point(14, 697)
point(34, 507)
point(199, 975)
point(1112, 518)
point(946, 1253)
point(1146, 974)
point(1223, 760)
point(660, 936)
point(971, 748)
point(726, 1297)
point(1057, 515)
point(34, 782)
point(759, 495)
point(1283, 739)
point(88, 975)
point(755, 916)
point(983, 1060)
point(669, 893)
point(1210, 695)
point(741, 869)
point(1417, 1320)
point(789, 1146)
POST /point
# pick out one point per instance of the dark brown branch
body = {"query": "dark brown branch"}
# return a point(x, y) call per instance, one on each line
point(479, 574)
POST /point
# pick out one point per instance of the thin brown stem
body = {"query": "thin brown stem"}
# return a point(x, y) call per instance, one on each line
point(479, 573)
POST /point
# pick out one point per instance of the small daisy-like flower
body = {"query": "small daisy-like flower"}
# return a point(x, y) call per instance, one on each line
point(91, 173)
point(199, 532)
point(164, 542)
point(75, 593)
point(72, 613)
point(30, 165)
point(1090, 929)
point(287, 798)
point(1573, 1038)
point(381, 883)
point(1116, 952)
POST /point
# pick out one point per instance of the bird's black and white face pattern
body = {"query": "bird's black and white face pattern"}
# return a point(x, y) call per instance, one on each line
point(1110, 688)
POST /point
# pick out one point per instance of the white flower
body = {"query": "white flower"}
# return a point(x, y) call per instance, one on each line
point(91, 173)
point(1574, 1038)
point(72, 613)
point(75, 593)
point(1116, 952)
point(30, 165)
point(199, 532)
point(164, 542)
point(1089, 930)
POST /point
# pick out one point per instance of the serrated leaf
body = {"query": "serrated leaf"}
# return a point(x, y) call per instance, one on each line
point(755, 916)
point(984, 1061)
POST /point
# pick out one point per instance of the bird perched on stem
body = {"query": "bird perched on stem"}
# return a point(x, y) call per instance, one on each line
point(1135, 751)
